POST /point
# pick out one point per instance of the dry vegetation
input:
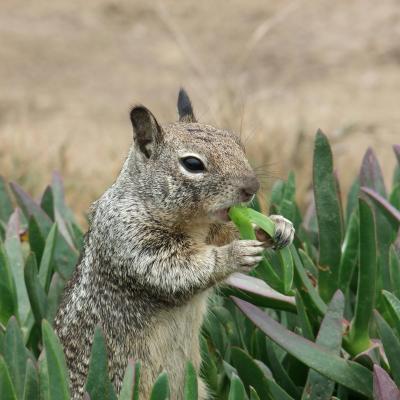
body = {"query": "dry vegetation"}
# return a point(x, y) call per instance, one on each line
point(274, 71)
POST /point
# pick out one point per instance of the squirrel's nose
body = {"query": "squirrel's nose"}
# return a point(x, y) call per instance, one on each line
point(250, 187)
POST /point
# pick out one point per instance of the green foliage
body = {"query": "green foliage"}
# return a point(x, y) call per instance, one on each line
point(319, 319)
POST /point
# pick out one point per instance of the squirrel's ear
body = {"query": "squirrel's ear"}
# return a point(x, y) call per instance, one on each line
point(146, 129)
point(185, 109)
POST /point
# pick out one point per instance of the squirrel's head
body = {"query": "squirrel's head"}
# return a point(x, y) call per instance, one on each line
point(188, 169)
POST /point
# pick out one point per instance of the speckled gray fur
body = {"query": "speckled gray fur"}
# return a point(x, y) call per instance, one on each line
point(154, 251)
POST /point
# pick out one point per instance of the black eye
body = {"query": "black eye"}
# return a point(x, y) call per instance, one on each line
point(193, 164)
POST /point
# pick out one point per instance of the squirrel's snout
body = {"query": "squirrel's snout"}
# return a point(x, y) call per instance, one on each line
point(249, 188)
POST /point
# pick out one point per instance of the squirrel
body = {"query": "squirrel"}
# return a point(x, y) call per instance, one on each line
point(159, 240)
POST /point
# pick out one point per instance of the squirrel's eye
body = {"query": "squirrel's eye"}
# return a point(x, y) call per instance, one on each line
point(193, 164)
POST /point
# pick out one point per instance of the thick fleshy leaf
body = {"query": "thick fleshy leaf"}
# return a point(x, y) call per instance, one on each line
point(347, 373)
point(47, 202)
point(15, 255)
point(311, 299)
point(259, 293)
point(371, 177)
point(253, 394)
point(57, 186)
point(329, 336)
point(65, 254)
point(46, 264)
point(352, 198)
point(244, 218)
point(15, 355)
point(237, 390)
point(280, 373)
point(371, 173)
point(303, 319)
point(393, 308)
point(6, 387)
point(56, 365)
point(30, 207)
point(350, 252)
point(391, 344)
point(8, 295)
point(6, 206)
point(250, 373)
point(36, 293)
point(128, 384)
point(31, 385)
point(190, 390)
point(384, 387)
point(391, 213)
point(358, 339)
point(394, 264)
point(54, 296)
point(208, 366)
point(329, 217)
point(98, 383)
point(44, 387)
point(287, 208)
point(36, 239)
point(160, 389)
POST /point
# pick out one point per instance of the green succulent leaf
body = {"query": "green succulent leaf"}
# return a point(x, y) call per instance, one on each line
point(6, 387)
point(47, 202)
point(46, 264)
point(347, 373)
point(31, 384)
point(8, 295)
point(308, 293)
point(98, 383)
point(36, 293)
point(318, 387)
point(160, 389)
point(253, 394)
point(250, 373)
point(350, 251)
point(36, 239)
point(244, 218)
point(258, 292)
point(56, 366)
point(15, 256)
point(280, 374)
point(328, 209)
point(384, 387)
point(359, 339)
point(391, 344)
point(6, 206)
point(190, 389)
point(15, 355)
point(393, 308)
point(44, 386)
point(237, 390)
point(128, 383)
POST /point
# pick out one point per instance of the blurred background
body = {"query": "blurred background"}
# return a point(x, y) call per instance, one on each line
point(272, 71)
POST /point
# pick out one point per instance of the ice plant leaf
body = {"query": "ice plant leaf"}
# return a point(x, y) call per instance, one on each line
point(359, 339)
point(384, 387)
point(347, 373)
point(57, 368)
point(329, 336)
point(330, 229)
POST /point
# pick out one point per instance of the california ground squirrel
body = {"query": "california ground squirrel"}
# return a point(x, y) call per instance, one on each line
point(159, 239)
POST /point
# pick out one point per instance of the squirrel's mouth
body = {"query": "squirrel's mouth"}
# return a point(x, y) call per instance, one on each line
point(221, 214)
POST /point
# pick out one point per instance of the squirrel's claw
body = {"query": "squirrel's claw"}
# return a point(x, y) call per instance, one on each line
point(284, 232)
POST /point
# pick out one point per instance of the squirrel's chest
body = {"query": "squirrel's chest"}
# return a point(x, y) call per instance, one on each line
point(173, 334)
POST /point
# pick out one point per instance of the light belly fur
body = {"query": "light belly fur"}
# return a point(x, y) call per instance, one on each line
point(173, 340)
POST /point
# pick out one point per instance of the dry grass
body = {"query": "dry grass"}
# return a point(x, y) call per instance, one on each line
point(274, 71)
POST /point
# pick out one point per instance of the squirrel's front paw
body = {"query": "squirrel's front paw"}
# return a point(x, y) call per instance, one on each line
point(284, 232)
point(245, 254)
